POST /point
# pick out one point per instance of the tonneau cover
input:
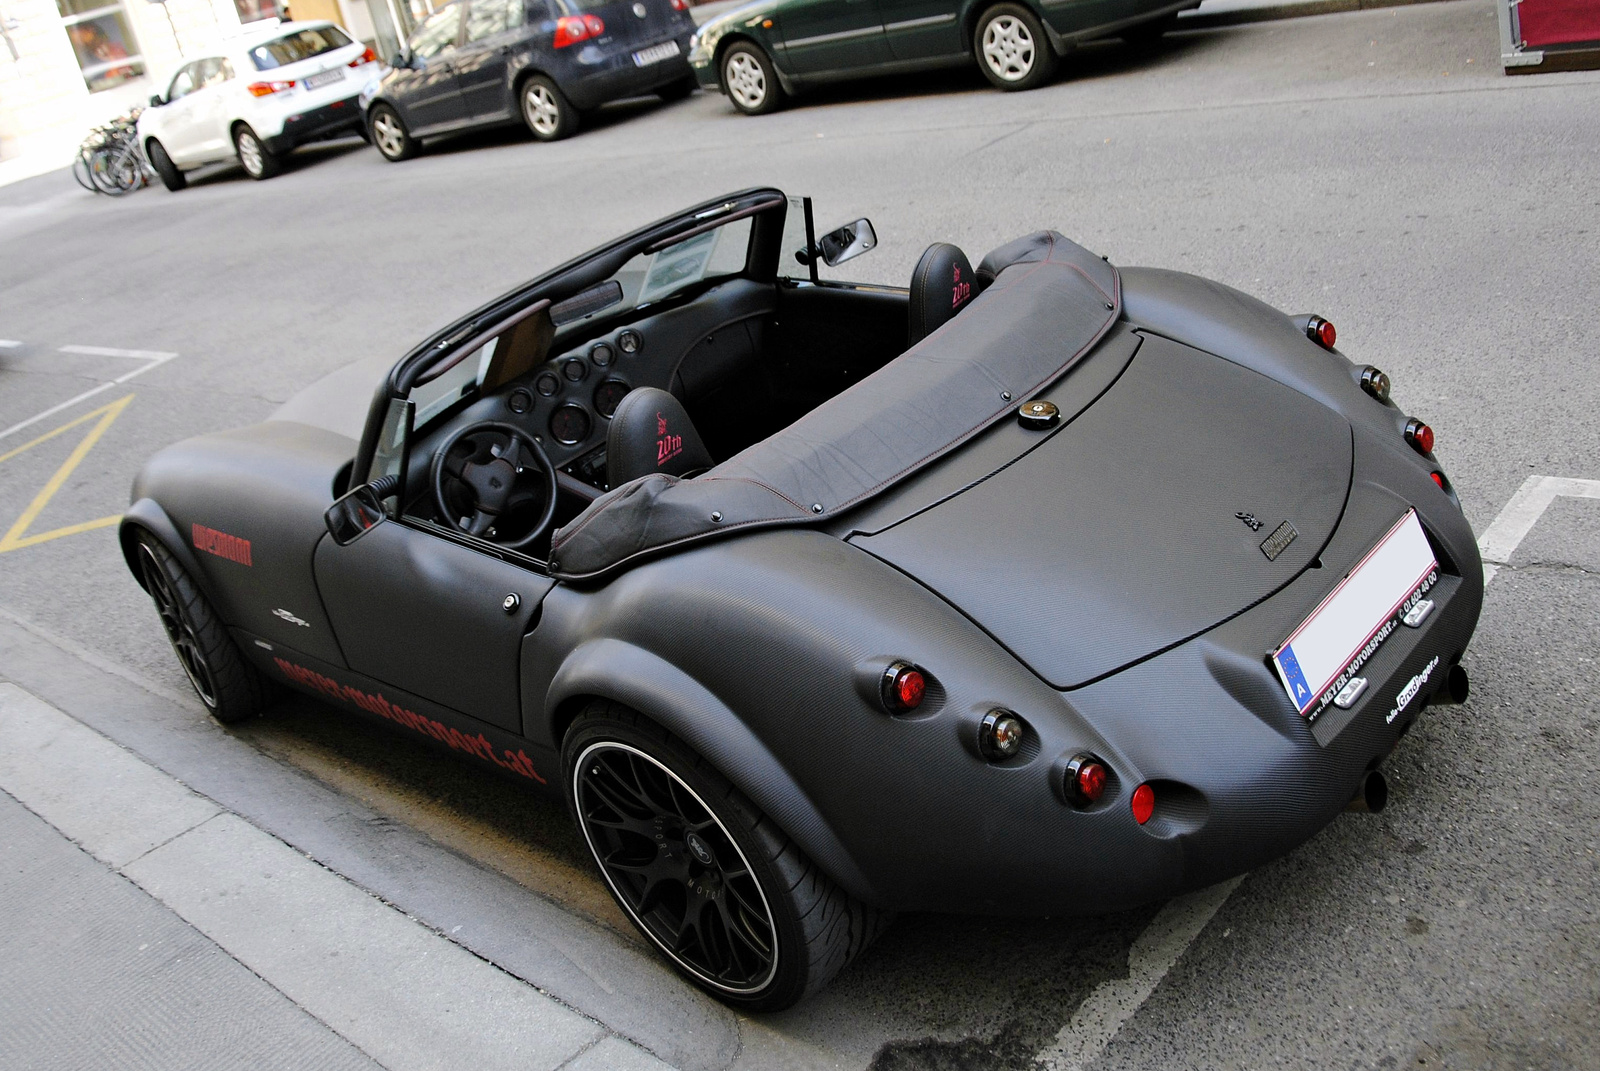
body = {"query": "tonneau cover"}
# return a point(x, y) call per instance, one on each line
point(1049, 302)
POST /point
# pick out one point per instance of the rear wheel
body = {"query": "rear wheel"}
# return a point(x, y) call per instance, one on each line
point(389, 134)
point(231, 688)
point(171, 177)
point(254, 156)
point(1012, 48)
point(547, 111)
point(750, 80)
point(709, 879)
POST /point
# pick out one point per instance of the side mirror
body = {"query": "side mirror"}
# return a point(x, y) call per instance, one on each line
point(847, 243)
point(156, 101)
point(354, 515)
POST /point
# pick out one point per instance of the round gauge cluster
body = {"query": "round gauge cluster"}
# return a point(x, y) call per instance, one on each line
point(572, 422)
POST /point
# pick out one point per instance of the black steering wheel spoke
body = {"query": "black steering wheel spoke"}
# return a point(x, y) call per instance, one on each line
point(477, 481)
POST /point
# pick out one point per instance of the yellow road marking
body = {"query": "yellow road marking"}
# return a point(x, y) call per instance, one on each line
point(14, 538)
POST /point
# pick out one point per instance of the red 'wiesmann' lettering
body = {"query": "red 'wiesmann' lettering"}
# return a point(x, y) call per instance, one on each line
point(478, 746)
point(221, 544)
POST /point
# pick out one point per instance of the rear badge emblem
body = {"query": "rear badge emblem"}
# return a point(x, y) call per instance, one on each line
point(640, 10)
point(291, 618)
point(1250, 521)
point(1038, 415)
point(1278, 542)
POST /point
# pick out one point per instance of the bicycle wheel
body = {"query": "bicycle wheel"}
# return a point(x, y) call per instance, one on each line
point(124, 171)
point(81, 172)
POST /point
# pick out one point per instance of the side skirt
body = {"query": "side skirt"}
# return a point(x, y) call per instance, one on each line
point(449, 730)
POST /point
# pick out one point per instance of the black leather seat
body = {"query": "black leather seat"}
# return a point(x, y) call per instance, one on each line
point(651, 432)
point(940, 287)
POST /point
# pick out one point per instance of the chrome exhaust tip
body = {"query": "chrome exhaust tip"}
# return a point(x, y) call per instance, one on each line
point(1373, 795)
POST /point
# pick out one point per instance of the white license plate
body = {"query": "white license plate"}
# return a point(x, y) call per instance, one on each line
point(655, 53)
point(1331, 646)
point(325, 78)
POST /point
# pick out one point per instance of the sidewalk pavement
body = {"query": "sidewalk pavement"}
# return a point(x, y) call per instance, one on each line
point(149, 927)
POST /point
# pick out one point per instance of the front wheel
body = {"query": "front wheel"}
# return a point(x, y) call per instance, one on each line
point(750, 80)
point(390, 136)
point(254, 156)
point(171, 177)
point(1012, 48)
point(547, 111)
point(709, 879)
point(230, 687)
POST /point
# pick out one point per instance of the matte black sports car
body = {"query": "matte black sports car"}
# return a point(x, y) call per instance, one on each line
point(1043, 587)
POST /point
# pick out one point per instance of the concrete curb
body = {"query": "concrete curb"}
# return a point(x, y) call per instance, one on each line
point(1242, 15)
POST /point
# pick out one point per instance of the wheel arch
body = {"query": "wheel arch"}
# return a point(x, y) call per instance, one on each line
point(975, 11)
point(146, 517)
point(786, 83)
point(625, 673)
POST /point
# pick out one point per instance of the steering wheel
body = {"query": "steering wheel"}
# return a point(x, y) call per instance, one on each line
point(496, 457)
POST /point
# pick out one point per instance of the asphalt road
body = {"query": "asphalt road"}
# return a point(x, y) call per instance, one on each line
point(1375, 167)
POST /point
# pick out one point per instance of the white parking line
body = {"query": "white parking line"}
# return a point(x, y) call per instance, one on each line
point(107, 351)
point(1112, 1003)
point(155, 359)
point(9, 343)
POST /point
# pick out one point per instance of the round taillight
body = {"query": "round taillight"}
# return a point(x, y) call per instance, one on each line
point(903, 687)
point(1438, 478)
point(1144, 803)
point(1321, 332)
point(1375, 383)
point(1085, 780)
point(1419, 435)
point(1000, 735)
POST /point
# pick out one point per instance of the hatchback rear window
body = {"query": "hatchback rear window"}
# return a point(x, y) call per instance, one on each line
point(300, 45)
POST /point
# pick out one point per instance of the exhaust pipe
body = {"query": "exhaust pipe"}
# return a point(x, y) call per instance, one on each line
point(1373, 795)
point(1455, 688)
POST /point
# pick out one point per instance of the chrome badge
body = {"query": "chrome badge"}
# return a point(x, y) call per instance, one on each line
point(640, 10)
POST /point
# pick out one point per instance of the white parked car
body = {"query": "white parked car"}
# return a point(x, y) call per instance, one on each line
point(256, 97)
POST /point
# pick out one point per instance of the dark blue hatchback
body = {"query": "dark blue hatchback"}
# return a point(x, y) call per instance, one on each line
point(484, 62)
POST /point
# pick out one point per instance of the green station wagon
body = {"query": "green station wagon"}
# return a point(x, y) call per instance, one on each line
point(764, 51)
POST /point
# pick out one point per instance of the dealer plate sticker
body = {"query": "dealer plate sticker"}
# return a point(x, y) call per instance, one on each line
point(1330, 647)
point(655, 53)
point(325, 78)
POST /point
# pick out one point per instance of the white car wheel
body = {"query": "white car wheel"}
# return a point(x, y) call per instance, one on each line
point(747, 83)
point(1009, 49)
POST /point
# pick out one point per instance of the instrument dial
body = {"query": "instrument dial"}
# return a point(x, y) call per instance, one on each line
point(574, 369)
point(570, 424)
point(630, 341)
point(609, 395)
point(602, 354)
point(547, 384)
point(520, 400)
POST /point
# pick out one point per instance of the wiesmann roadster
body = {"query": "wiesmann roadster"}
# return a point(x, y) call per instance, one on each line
point(1043, 587)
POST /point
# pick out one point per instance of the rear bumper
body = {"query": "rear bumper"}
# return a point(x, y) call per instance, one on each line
point(342, 116)
point(615, 76)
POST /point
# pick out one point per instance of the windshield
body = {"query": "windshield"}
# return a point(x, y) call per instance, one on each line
point(435, 396)
point(649, 277)
point(297, 46)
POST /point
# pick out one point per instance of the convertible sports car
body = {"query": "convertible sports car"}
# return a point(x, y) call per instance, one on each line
point(1046, 587)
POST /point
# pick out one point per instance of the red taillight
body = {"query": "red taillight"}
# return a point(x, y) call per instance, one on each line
point(266, 89)
point(1144, 803)
point(367, 56)
point(1438, 478)
point(570, 29)
point(1321, 332)
point(903, 687)
point(1086, 780)
point(680, 5)
point(1419, 435)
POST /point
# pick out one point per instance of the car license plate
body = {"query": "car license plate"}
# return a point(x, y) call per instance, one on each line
point(1329, 648)
point(325, 78)
point(655, 53)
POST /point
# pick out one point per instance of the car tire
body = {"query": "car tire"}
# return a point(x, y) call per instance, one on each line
point(231, 688)
point(257, 160)
point(1012, 48)
point(171, 177)
point(547, 111)
point(773, 929)
point(388, 133)
point(750, 80)
point(679, 90)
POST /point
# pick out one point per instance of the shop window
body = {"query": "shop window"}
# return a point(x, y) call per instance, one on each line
point(107, 51)
point(256, 10)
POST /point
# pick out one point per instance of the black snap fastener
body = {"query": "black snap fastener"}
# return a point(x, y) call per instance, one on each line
point(511, 602)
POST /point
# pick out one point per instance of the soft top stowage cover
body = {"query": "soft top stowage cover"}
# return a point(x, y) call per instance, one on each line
point(1048, 301)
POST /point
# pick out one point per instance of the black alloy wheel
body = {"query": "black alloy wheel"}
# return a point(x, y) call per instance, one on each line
point(731, 902)
point(389, 134)
point(750, 80)
point(257, 160)
point(171, 177)
point(230, 687)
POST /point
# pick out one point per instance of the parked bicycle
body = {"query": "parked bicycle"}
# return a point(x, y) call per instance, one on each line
point(109, 160)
